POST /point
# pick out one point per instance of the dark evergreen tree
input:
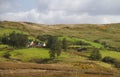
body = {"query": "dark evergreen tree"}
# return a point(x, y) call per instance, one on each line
point(15, 39)
point(64, 44)
point(4, 39)
point(50, 41)
point(55, 47)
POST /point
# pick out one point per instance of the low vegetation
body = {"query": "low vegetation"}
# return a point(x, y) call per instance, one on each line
point(95, 55)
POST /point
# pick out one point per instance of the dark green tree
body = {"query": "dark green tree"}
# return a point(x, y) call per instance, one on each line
point(50, 41)
point(64, 44)
point(55, 47)
point(4, 39)
point(95, 55)
point(43, 37)
point(15, 39)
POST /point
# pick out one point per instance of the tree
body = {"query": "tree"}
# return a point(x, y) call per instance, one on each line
point(43, 37)
point(64, 44)
point(15, 39)
point(55, 47)
point(4, 39)
point(50, 41)
point(95, 55)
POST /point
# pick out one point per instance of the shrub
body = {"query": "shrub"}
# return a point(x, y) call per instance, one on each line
point(96, 41)
point(7, 55)
point(82, 43)
point(111, 60)
point(108, 59)
point(95, 55)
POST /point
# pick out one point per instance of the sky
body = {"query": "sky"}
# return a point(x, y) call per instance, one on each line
point(61, 11)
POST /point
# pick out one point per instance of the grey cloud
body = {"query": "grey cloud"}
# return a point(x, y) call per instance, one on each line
point(64, 11)
point(92, 7)
point(8, 6)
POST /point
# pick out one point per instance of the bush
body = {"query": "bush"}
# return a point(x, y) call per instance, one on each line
point(96, 41)
point(82, 43)
point(95, 55)
point(111, 60)
point(7, 55)
point(108, 59)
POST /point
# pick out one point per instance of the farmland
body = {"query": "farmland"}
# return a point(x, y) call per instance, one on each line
point(112, 54)
point(37, 60)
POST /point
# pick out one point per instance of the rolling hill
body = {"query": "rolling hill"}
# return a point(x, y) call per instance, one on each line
point(68, 64)
point(109, 33)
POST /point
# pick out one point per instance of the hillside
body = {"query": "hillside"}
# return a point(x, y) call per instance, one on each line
point(104, 33)
point(35, 61)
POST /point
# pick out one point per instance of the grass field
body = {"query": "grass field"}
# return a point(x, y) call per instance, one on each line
point(74, 40)
point(30, 53)
point(112, 54)
point(104, 53)
point(7, 31)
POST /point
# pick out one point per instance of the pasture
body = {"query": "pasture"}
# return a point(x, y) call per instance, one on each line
point(112, 54)
point(75, 40)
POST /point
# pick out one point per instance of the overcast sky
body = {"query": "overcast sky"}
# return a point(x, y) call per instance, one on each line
point(61, 11)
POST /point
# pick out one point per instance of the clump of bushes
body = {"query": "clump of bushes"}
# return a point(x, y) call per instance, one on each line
point(95, 55)
point(7, 55)
point(111, 60)
point(108, 59)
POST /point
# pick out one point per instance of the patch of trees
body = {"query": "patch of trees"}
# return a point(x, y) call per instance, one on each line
point(111, 60)
point(43, 37)
point(55, 47)
point(15, 39)
point(64, 44)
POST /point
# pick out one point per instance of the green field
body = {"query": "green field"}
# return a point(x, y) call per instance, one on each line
point(32, 53)
point(10, 30)
point(112, 54)
point(74, 40)
point(104, 53)
point(29, 53)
